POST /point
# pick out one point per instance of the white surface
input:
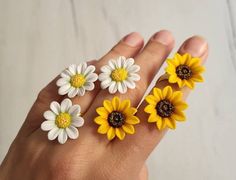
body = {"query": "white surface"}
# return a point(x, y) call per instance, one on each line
point(39, 38)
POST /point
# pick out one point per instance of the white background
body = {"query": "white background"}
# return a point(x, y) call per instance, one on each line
point(40, 38)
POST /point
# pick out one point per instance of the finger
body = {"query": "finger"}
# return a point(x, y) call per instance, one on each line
point(150, 60)
point(143, 175)
point(129, 46)
point(139, 146)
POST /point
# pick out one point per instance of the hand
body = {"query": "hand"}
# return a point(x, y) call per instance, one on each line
point(92, 156)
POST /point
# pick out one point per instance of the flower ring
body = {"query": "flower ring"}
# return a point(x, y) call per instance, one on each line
point(116, 118)
point(184, 70)
point(119, 75)
point(165, 107)
point(62, 120)
point(77, 79)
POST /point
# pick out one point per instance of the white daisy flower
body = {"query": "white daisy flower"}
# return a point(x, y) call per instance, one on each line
point(75, 80)
point(62, 120)
point(119, 75)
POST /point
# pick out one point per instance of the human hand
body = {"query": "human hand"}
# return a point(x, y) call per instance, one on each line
point(92, 156)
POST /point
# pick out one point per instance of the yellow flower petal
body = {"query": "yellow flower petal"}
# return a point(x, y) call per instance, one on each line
point(189, 83)
point(103, 128)
point(152, 99)
point(108, 106)
point(116, 103)
point(178, 116)
point(102, 112)
point(153, 117)
point(124, 105)
point(198, 70)
point(180, 105)
point(194, 62)
point(128, 128)
point(100, 120)
point(120, 133)
point(173, 78)
point(132, 120)
point(157, 93)
point(197, 78)
point(170, 123)
point(170, 69)
point(111, 133)
point(176, 96)
point(185, 58)
point(167, 92)
point(159, 122)
point(130, 111)
point(180, 82)
point(150, 108)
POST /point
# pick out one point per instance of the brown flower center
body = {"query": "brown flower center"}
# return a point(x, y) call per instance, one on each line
point(165, 108)
point(183, 72)
point(116, 119)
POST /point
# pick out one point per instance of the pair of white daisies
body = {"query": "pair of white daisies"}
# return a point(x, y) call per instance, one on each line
point(62, 119)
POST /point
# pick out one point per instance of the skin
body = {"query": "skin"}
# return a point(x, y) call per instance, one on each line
point(92, 156)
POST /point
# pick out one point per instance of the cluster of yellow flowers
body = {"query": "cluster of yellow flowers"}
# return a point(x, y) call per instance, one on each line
point(164, 106)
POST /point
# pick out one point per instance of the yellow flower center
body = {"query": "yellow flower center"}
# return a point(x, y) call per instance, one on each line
point(63, 120)
point(165, 108)
point(183, 72)
point(77, 80)
point(119, 74)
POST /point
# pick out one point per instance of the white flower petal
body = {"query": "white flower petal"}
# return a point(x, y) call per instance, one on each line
point(64, 89)
point(112, 64)
point(106, 83)
point(134, 77)
point(65, 105)
point(89, 70)
point(104, 76)
point(72, 132)
point(73, 92)
point(83, 67)
point(79, 68)
point(129, 62)
point(91, 77)
point(48, 125)
point(113, 87)
point(62, 137)
point(130, 84)
point(122, 88)
point(55, 107)
point(53, 133)
point(65, 75)
point(89, 86)
point(119, 62)
point(106, 69)
point(62, 81)
point(72, 69)
point(133, 69)
point(78, 121)
point(81, 91)
point(75, 110)
point(49, 115)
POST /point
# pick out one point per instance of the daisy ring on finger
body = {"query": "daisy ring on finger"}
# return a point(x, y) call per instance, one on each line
point(185, 70)
point(119, 75)
point(62, 121)
point(77, 79)
point(116, 118)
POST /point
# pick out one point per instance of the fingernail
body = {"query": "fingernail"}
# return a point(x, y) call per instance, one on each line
point(196, 46)
point(133, 39)
point(164, 37)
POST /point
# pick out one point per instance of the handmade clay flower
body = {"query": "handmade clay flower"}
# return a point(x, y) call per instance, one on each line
point(119, 75)
point(116, 118)
point(184, 70)
point(75, 80)
point(165, 107)
point(62, 120)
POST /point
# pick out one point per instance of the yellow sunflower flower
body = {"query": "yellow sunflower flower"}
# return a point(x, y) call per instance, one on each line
point(165, 107)
point(116, 118)
point(184, 70)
